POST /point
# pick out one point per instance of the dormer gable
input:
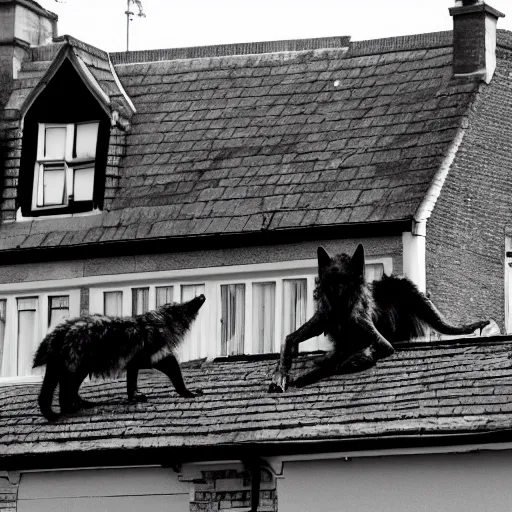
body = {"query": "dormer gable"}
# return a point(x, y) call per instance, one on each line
point(73, 113)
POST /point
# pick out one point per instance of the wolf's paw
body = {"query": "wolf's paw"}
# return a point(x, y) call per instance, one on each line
point(191, 394)
point(383, 349)
point(86, 404)
point(279, 383)
point(138, 397)
point(482, 324)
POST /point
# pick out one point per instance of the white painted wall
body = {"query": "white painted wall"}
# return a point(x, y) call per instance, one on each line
point(105, 490)
point(421, 483)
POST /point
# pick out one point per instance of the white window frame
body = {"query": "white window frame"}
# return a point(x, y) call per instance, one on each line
point(213, 278)
point(69, 162)
point(11, 323)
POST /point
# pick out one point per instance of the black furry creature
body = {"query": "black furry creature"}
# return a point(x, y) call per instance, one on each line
point(102, 346)
point(362, 320)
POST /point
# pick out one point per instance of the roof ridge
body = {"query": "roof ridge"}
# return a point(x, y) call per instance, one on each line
point(425, 41)
point(225, 50)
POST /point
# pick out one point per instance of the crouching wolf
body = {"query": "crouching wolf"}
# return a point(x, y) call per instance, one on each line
point(102, 346)
point(362, 320)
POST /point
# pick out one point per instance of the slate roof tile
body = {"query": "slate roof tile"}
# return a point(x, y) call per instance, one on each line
point(439, 389)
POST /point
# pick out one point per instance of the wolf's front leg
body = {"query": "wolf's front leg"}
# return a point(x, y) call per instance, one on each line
point(170, 366)
point(325, 367)
point(132, 375)
point(378, 346)
point(313, 327)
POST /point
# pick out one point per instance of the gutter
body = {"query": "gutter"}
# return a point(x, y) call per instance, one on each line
point(389, 445)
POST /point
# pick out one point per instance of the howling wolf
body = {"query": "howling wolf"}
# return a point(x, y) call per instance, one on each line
point(102, 346)
point(362, 320)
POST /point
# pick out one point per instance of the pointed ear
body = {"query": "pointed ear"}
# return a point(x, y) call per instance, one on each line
point(323, 258)
point(357, 261)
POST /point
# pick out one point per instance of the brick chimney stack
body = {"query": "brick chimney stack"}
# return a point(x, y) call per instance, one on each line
point(23, 23)
point(474, 38)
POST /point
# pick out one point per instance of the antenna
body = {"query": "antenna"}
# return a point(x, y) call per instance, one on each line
point(129, 17)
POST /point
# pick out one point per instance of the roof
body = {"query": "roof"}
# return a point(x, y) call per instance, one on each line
point(272, 137)
point(426, 390)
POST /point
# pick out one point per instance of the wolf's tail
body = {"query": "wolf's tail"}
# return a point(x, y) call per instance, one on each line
point(426, 312)
point(429, 314)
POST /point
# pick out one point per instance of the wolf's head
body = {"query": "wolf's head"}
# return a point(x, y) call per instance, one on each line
point(182, 314)
point(340, 278)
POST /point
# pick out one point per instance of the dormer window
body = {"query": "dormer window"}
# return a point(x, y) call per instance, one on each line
point(66, 134)
point(65, 165)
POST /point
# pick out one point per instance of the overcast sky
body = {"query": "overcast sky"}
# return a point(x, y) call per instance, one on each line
point(177, 23)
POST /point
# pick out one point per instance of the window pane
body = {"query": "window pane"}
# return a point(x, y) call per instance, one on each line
point(54, 184)
point(140, 301)
point(294, 304)
point(83, 186)
point(58, 310)
point(27, 334)
point(55, 143)
point(373, 271)
point(113, 303)
point(263, 317)
point(191, 346)
point(232, 297)
point(4, 371)
point(86, 136)
point(164, 295)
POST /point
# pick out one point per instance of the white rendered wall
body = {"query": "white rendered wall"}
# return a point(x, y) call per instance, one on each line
point(422, 483)
point(105, 490)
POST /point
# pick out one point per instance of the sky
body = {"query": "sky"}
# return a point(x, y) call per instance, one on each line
point(179, 23)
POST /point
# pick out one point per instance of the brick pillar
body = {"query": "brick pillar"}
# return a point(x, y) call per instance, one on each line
point(9, 483)
point(228, 488)
point(84, 301)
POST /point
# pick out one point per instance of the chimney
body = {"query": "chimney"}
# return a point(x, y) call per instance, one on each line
point(23, 23)
point(474, 38)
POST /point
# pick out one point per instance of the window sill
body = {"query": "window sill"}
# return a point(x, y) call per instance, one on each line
point(21, 218)
point(16, 381)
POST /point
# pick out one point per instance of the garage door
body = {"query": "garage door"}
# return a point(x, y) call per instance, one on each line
point(103, 490)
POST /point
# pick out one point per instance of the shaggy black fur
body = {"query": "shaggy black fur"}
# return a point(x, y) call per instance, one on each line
point(102, 346)
point(361, 320)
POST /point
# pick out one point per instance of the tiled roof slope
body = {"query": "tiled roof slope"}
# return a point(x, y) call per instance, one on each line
point(271, 141)
point(424, 389)
point(291, 139)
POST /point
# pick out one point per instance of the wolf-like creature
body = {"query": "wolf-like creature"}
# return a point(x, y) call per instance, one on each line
point(362, 320)
point(102, 346)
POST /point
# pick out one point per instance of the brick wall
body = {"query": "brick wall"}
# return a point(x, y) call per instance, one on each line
point(116, 150)
point(8, 492)
point(10, 134)
point(230, 489)
point(466, 233)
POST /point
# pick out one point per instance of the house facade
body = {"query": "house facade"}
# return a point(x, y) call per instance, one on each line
point(133, 179)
